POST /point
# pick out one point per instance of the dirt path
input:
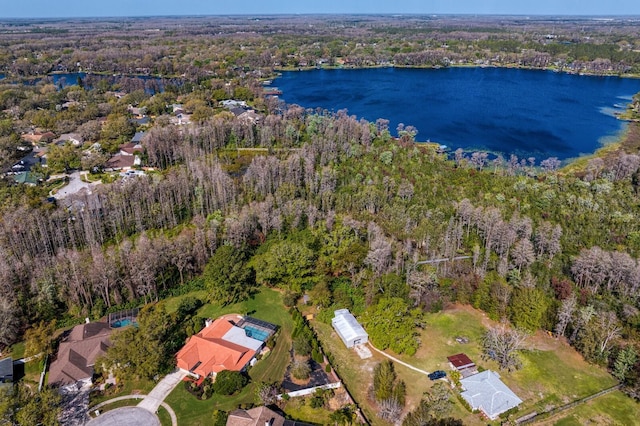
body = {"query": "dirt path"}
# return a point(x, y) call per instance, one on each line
point(426, 373)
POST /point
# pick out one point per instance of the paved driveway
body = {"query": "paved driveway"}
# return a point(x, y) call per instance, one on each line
point(75, 185)
point(126, 416)
point(162, 390)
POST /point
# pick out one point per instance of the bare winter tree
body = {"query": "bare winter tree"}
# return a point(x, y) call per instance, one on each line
point(501, 343)
point(9, 321)
point(550, 164)
point(523, 254)
point(609, 327)
point(390, 409)
point(565, 314)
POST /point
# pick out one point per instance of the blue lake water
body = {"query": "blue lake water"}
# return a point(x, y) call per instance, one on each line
point(528, 113)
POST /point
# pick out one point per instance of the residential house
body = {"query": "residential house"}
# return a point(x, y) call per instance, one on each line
point(27, 178)
point(487, 393)
point(120, 162)
point(258, 416)
point(77, 353)
point(36, 137)
point(348, 328)
point(74, 138)
point(221, 345)
point(137, 138)
point(6, 370)
point(249, 117)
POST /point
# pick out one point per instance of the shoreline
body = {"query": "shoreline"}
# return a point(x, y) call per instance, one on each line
point(278, 70)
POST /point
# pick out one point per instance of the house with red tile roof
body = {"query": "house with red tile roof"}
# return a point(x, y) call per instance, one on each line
point(221, 345)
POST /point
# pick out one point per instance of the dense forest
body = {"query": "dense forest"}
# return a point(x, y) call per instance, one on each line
point(349, 211)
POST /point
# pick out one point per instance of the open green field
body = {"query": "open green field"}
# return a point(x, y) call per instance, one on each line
point(553, 373)
point(265, 305)
point(610, 409)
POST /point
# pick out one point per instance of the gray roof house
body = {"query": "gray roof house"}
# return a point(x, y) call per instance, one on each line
point(6, 370)
point(348, 328)
point(486, 392)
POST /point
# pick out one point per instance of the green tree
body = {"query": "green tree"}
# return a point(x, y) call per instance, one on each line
point(39, 338)
point(528, 306)
point(229, 382)
point(343, 416)
point(116, 131)
point(393, 324)
point(146, 350)
point(228, 277)
point(287, 264)
point(63, 158)
point(384, 378)
point(38, 408)
point(625, 361)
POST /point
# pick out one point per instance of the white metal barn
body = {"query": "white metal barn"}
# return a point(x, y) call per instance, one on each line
point(348, 328)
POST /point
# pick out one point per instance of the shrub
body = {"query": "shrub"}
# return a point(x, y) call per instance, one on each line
point(229, 382)
point(300, 369)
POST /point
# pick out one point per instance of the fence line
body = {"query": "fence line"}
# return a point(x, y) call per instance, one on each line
point(309, 391)
point(533, 416)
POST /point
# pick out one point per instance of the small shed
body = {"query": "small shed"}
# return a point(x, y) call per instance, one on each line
point(463, 364)
point(348, 328)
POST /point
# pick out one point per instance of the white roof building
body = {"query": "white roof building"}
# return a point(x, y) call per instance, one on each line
point(238, 336)
point(348, 328)
point(486, 392)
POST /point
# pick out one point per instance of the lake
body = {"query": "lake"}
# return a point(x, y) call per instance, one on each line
point(529, 113)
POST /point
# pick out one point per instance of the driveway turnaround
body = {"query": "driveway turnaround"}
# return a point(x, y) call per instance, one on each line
point(152, 401)
point(126, 416)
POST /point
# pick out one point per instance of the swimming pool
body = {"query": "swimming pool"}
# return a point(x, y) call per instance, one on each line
point(123, 323)
point(256, 333)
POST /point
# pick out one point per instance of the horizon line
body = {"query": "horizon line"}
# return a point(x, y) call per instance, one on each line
point(291, 14)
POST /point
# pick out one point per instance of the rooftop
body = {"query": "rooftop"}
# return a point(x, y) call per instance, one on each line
point(487, 393)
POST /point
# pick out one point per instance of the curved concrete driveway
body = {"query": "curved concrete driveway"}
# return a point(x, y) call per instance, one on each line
point(152, 401)
point(126, 416)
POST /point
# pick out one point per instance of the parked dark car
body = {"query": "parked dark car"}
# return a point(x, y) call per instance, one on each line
point(438, 374)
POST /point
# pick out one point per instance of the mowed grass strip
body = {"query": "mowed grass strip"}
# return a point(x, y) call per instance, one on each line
point(615, 408)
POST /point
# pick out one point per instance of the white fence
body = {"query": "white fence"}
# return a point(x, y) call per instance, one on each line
point(309, 391)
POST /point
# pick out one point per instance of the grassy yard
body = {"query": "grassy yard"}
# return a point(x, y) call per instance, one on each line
point(299, 409)
point(265, 305)
point(611, 409)
point(553, 373)
point(128, 387)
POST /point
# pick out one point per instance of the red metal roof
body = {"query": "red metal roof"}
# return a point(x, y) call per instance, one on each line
point(461, 361)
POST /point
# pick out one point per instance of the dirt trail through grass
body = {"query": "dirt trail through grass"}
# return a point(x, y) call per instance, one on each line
point(426, 373)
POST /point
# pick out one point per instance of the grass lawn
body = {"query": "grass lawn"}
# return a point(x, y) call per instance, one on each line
point(128, 387)
point(171, 304)
point(356, 374)
point(163, 415)
point(265, 305)
point(299, 409)
point(553, 373)
point(17, 350)
point(612, 409)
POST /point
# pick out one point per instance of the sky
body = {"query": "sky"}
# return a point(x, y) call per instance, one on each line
point(98, 8)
